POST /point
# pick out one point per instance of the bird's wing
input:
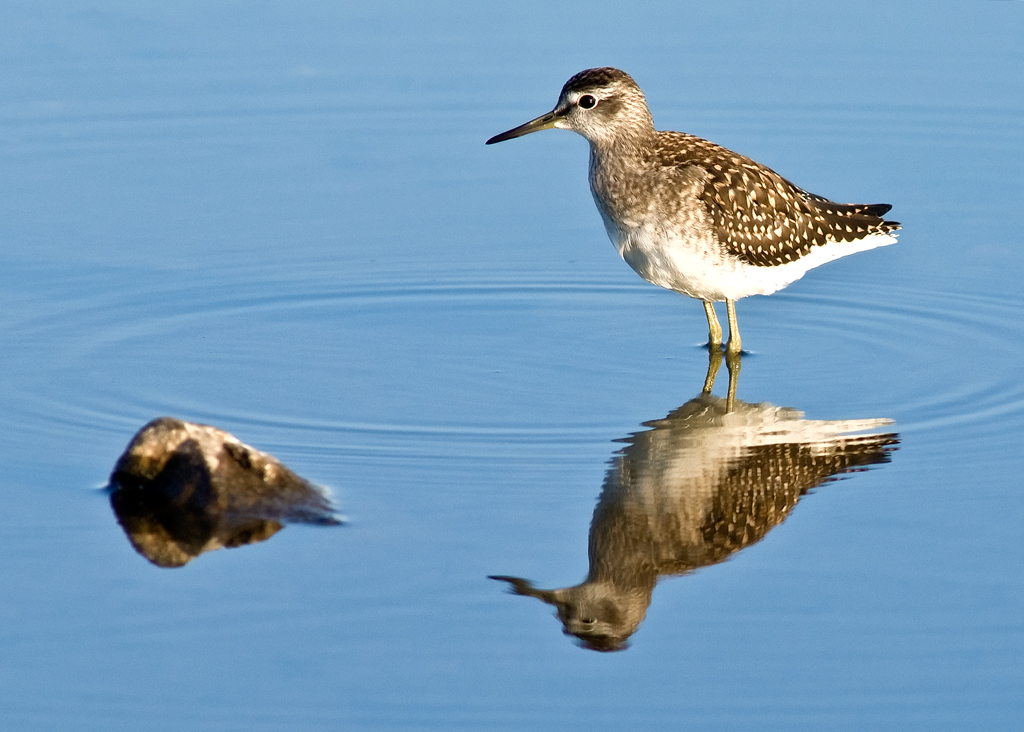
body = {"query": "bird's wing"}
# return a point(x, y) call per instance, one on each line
point(759, 216)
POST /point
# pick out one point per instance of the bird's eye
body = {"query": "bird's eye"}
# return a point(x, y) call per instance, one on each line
point(587, 101)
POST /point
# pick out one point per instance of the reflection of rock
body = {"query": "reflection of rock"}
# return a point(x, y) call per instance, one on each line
point(181, 489)
point(704, 482)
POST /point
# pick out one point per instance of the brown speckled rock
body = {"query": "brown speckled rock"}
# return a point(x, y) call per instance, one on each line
point(181, 489)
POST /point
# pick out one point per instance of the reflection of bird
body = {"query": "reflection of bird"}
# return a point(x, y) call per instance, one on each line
point(694, 217)
point(181, 489)
point(704, 482)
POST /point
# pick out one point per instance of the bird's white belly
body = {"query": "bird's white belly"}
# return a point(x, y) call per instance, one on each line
point(698, 268)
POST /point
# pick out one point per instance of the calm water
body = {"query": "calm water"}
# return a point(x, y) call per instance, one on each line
point(282, 220)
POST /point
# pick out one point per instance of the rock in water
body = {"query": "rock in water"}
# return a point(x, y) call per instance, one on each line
point(181, 489)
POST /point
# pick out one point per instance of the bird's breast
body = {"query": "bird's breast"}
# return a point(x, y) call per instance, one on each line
point(661, 231)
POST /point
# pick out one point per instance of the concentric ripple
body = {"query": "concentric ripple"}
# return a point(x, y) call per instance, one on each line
point(471, 367)
point(951, 360)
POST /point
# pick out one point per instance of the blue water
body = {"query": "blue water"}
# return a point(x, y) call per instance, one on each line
point(281, 219)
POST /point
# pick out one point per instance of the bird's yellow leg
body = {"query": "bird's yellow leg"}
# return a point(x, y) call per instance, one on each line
point(714, 363)
point(714, 327)
point(734, 328)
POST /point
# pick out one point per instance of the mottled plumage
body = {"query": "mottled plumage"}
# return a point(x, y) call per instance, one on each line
point(692, 216)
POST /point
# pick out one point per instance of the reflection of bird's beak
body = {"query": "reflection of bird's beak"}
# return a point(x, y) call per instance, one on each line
point(519, 586)
point(544, 122)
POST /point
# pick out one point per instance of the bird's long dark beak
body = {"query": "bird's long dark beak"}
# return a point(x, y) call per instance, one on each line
point(544, 122)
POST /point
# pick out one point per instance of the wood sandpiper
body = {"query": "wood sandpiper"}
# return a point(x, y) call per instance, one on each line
point(691, 216)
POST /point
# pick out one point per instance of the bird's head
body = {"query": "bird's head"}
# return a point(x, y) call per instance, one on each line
point(604, 105)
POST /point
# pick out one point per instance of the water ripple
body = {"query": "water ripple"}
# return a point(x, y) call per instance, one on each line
point(475, 366)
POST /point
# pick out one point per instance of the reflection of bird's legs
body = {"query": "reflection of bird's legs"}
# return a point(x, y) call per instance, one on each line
point(714, 363)
point(732, 362)
point(734, 328)
point(714, 327)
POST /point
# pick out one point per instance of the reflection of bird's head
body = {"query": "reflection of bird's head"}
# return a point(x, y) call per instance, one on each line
point(590, 612)
point(598, 622)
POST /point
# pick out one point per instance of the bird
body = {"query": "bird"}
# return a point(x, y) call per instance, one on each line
point(694, 217)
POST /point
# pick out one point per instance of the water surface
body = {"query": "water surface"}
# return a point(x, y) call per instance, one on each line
point(283, 221)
